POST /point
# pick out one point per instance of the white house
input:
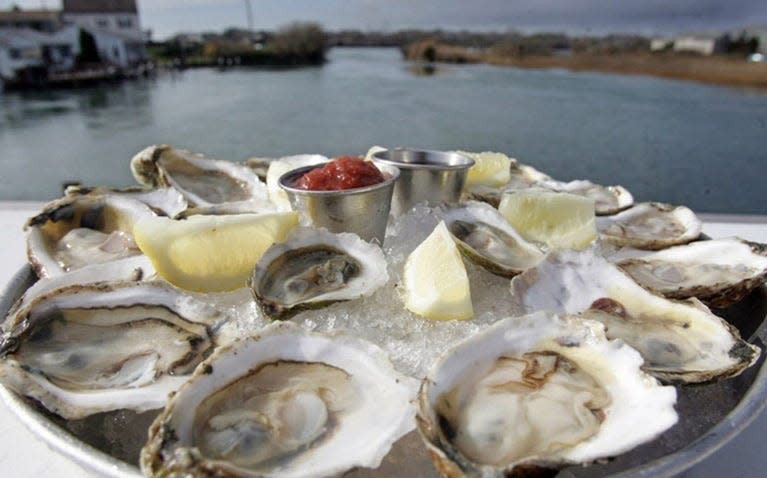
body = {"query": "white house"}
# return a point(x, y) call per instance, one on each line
point(113, 16)
point(700, 44)
point(114, 25)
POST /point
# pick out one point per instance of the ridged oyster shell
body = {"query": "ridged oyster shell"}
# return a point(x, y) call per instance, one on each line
point(679, 341)
point(650, 226)
point(313, 268)
point(285, 403)
point(204, 182)
point(81, 350)
point(538, 391)
point(719, 272)
point(164, 201)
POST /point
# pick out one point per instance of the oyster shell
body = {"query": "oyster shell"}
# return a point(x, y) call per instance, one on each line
point(313, 268)
point(203, 181)
point(607, 199)
point(650, 226)
point(719, 272)
point(487, 238)
point(284, 403)
point(539, 391)
point(81, 350)
point(133, 269)
point(163, 201)
point(76, 231)
point(679, 341)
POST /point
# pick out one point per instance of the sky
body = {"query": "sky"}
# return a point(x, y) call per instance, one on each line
point(166, 17)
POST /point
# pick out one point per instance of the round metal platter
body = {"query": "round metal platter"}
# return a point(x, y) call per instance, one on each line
point(709, 416)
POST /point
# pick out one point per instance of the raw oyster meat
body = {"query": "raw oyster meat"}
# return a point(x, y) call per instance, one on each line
point(487, 238)
point(203, 181)
point(76, 231)
point(679, 341)
point(650, 226)
point(81, 350)
point(283, 403)
point(313, 268)
point(539, 391)
point(719, 272)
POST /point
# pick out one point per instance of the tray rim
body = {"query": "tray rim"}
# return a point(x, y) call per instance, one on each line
point(753, 402)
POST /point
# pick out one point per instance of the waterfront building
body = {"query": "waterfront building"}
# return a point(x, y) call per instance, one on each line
point(114, 25)
point(114, 16)
point(40, 20)
point(702, 44)
point(18, 53)
point(25, 51)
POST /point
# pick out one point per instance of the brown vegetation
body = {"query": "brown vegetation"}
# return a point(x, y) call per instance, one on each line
point(718, 69)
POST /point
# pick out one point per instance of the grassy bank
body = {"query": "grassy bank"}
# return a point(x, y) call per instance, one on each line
point(719, 70)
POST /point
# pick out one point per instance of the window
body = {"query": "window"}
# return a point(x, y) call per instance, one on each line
point(125, 22)
point(14, 53)
point(102, 22)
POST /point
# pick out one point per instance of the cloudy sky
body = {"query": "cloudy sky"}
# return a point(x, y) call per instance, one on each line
point(165, 17)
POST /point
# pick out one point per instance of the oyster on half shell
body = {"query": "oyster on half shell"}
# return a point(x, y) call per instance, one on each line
point(76, 231)
point(284, 403)
point(719, 272)
point(487, 238)
point(539, 391)
point(313, 268)
point(86, 349)
point(680, 341)
point(650, 226)
point(204, 182)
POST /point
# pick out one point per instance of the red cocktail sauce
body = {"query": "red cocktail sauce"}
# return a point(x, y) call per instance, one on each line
point(346, 172)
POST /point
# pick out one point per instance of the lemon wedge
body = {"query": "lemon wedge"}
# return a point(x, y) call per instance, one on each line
point(436, 284)
point(210, 253)
point(490, 169)
point(559, 220)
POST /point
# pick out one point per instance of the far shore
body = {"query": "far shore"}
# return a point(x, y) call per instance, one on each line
point(712, 70)
point(717, 69)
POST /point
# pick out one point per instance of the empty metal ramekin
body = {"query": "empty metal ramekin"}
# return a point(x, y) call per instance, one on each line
point(433, 177)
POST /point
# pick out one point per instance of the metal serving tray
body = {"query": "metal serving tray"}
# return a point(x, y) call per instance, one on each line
point(710, 415)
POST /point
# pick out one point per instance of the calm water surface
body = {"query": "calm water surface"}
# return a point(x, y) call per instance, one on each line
point(669, 141)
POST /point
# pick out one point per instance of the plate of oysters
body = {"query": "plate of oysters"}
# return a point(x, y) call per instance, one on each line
point(399, 313)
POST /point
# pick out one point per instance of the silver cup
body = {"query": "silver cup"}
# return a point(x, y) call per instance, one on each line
point(363, 211)
point(433, 177)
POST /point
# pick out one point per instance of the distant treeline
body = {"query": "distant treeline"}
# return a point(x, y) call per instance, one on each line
point(296, 44)
point(307, 43)
point(534, 43)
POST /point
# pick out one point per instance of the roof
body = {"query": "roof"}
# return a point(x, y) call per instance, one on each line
point(30, 15)
point(99, 6)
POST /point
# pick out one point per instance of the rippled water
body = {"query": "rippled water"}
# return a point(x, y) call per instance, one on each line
point(672, 141)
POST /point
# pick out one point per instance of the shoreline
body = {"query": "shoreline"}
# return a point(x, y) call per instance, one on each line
point(715, 70)
point(721, 71)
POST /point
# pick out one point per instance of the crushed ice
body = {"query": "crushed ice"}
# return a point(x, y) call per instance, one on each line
point(412, 342)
